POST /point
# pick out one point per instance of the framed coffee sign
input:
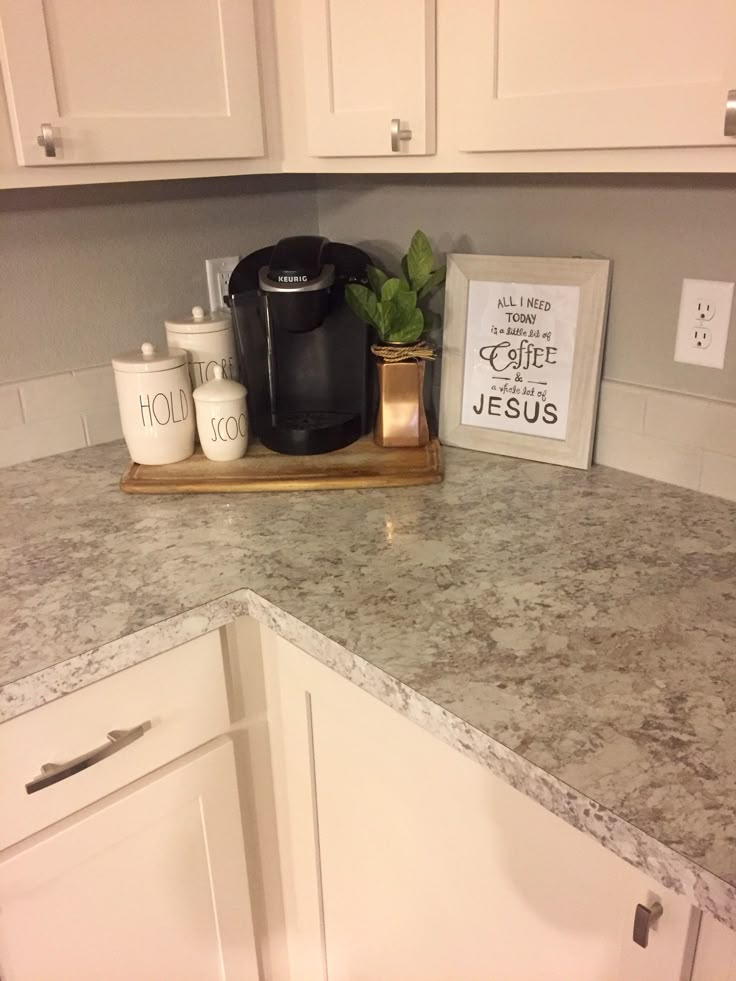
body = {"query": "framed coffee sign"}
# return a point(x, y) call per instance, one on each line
point(521, 358)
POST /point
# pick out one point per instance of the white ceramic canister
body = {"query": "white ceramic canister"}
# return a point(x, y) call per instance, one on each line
point(209, 340)
point(222, 417)
point(155, 402)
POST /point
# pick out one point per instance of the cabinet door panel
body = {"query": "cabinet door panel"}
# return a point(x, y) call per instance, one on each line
point(715, 955)
point(363, 67)
point(163, 80)
point(150, 883)
point(581, 74)
point(429, 867)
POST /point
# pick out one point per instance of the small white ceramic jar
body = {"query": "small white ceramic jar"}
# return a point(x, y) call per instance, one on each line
point(155, 402)
point(222, 417)
point(209, 340)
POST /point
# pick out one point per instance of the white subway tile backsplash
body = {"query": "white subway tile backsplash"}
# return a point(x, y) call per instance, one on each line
point(685, 439)
point(681, 439)
point(41, 438)
point(719, 475)
point(721, 434)
point(95, 387)
point(102, 425)
point(680, 419)
point(48, 397)
point(11, 413)
point(68, 392)
point(648, 457)
point(56, 413)
point(621, 407)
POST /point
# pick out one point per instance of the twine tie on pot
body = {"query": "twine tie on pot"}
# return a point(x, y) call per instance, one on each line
point(393, 353)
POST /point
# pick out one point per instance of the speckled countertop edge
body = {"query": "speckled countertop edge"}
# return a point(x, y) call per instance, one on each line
point(705, 890)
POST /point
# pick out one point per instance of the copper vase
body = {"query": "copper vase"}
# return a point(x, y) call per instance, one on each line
point(401, 419)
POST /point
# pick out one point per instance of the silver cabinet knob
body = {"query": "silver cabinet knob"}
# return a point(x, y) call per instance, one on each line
point(644, 917)
point(729, 124)
point(398, 134)
point(46, 140)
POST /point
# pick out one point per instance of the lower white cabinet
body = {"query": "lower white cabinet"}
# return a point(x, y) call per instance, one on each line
point(325, 837)
point(404, 860)
point(148, 884)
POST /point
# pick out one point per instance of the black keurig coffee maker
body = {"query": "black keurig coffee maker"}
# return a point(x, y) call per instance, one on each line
point(304, 355)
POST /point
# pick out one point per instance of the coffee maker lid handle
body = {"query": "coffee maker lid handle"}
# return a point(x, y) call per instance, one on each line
point(297, 259)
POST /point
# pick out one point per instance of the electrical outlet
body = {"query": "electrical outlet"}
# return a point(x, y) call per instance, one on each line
point(705, 310)
point(702, 337)
point(219, 272)
point(702, 329)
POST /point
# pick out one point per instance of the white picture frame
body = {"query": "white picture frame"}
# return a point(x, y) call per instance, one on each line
point(521, 355)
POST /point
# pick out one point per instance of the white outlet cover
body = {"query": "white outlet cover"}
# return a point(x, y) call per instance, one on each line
point(218, 274)
point(702, 329)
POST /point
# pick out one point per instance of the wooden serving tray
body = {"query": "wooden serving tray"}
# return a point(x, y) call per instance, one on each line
point(363, 464)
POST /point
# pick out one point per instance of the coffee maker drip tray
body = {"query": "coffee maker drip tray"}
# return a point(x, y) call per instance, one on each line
point(301, 433)
point(312, 420)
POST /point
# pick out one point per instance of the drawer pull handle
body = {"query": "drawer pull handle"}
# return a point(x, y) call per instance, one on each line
point(54, 772)
point(644, 917)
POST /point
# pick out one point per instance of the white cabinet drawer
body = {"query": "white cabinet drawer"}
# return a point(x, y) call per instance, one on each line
point(181, 693)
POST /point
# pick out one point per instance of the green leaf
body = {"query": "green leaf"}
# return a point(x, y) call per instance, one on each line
point(362, 302)
point(386, 317)
point(406, 304)
point(405, 270)
point(409, 332)
point(392, 287)
point(435, 279)
point(376, 277)
point(419, 260)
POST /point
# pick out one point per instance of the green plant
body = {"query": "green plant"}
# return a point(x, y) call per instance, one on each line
point(390, 303)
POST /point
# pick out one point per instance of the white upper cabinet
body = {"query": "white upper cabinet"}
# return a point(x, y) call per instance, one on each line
point(117, 82)
point(369, 77)
point(595, 73)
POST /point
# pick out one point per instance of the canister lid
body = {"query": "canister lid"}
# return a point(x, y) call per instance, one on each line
point(219, 389)
point(201, 322)
point(149, 359)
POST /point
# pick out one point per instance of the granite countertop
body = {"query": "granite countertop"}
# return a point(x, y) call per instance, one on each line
point(573, 631)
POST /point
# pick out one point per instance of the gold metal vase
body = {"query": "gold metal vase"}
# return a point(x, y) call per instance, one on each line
point(402, 420)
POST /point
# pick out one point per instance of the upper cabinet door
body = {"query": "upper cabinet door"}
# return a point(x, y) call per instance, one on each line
point(117, 82)
point(595, 73)
point(369, 77)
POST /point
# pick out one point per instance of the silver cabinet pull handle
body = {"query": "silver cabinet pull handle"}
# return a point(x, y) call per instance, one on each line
point(398, 134)
point(46, 140)
point(729, 125)
point(644, 917)
point(54, 772)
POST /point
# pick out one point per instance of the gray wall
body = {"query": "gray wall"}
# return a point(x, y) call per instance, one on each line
point(656, 230)
point(86, 272)
point(89, 271)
